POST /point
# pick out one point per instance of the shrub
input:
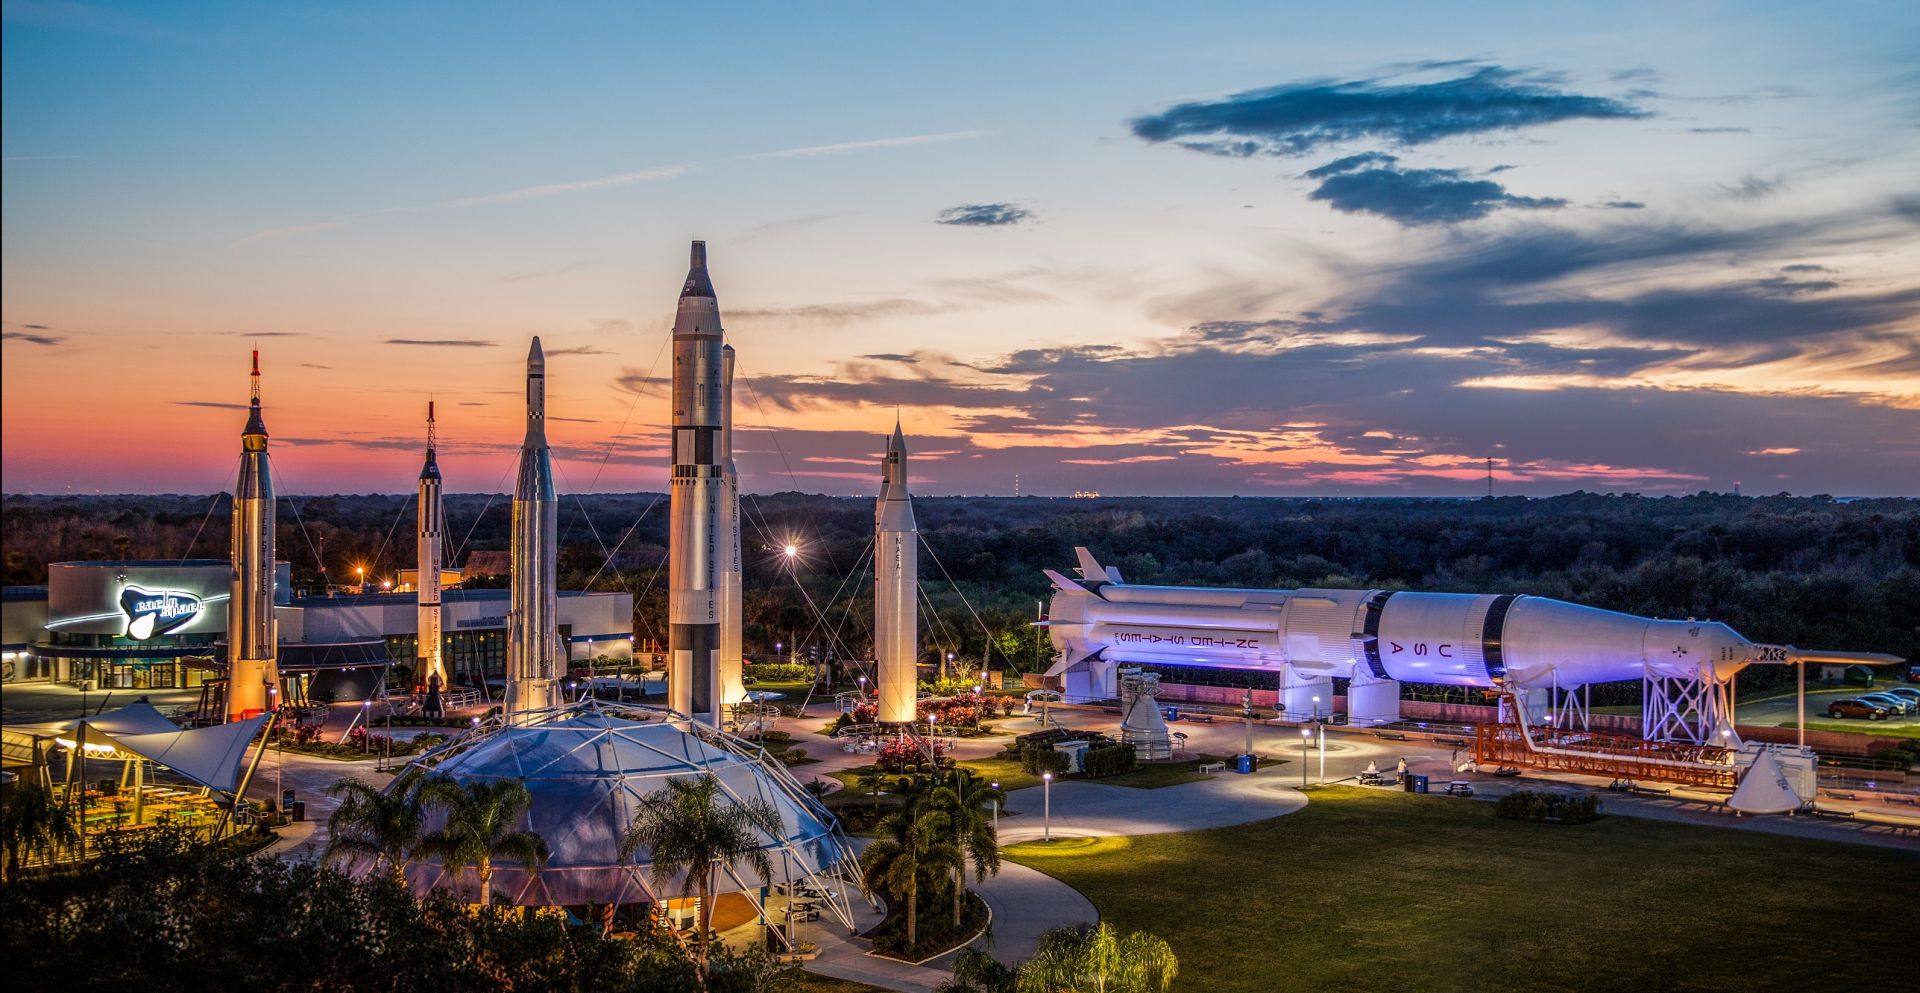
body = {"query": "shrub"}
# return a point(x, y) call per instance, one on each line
point(1110, 761)
point(779, 672)
point(1038, 759)
point(1539, 805)
point(902, 753)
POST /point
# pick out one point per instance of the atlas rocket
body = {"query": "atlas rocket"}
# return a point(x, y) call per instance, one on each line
point(733, 690)
point(533, 635)
point(896, 587)
point(432, 514)
point(253, 670)
point(697, 500)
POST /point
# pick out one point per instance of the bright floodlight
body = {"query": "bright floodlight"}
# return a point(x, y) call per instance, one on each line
point(792, 550)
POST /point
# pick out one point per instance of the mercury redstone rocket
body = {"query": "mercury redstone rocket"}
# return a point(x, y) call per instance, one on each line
point(896, 586)
point(533, 635)
point(253, 670)
point(696, 550)
point(733, 690)
point(432, 512)
point(1531, 648)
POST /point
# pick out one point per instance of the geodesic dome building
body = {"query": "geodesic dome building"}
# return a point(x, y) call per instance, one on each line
point(588, 765)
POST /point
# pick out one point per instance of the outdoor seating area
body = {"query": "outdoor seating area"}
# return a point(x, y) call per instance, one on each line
point(147, 808)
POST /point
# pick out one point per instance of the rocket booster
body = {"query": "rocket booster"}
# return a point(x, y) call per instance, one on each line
point(432, 513)
point(697, 501)
point(733, 688)
point(533, 635)
point(253, 676)
point(896, 586)
point(1458, 639)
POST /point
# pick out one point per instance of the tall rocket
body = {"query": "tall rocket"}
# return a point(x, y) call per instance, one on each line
point(733, 689)
point(896, 587)
point(697, 501)
point(253, 669)
point(432, 516)
point(533, 635)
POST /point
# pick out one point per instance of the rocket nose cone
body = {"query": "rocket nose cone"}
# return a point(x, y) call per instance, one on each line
point(697, 257)
point(536, 359)
point(699, 284)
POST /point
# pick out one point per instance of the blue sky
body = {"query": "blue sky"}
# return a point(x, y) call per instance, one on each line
point(1135, 248)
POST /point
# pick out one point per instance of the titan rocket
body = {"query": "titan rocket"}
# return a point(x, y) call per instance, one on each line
point(896, 586)
point(432, 513)
point(733, 689)
point(533, 635)
point(697, 500)
point(253, 670)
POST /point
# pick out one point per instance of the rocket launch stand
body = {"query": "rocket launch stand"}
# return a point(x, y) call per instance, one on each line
point(1696, 709)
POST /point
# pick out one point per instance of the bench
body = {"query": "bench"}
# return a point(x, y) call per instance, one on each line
point(1459, 787)
point(1372, 779)
point(1212, 767)
point(1905, 801)
point(1455, 742)
point(1392, 736)
point(1197, 718)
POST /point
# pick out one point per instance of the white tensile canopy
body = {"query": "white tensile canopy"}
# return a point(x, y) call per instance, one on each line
point(214, 757)
point(138, 717)
point(1764, 789)
point(588, 766)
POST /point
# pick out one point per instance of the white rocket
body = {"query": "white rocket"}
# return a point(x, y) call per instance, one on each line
point(696, 550)
point(533, 634)
point(432, 514)
point(253, 668)
point(896, 587)
point(733, 689)
point(1378, 638)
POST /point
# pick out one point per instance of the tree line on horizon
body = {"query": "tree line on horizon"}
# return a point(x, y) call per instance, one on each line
point(1810, 571)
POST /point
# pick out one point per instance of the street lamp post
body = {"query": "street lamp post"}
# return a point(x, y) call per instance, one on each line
point(998, 801)
point(1322, 736)
point(1046, 806)
point(1306, 735)
point(1316, 708)
point(366, 726)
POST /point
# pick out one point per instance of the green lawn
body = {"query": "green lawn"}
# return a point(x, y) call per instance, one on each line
point(1154, 775)
point(1367, 890)
point(807, 982)
point(1890, 729)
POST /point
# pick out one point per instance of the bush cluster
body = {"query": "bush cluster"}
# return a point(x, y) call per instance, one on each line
point(779, 672)
point(1109, 761)
point(1539, 805)
point(1037, 759)
point(902, 753)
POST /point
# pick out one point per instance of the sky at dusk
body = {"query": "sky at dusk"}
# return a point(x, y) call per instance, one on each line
point(1261, 249)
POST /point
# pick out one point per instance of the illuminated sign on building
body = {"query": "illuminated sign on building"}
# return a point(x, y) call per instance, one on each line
point(150, 613)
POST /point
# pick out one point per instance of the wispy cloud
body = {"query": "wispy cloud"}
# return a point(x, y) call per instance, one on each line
point(267, 334)
point(573, 186)
point(48, 340)
point(984, 215)
point(861, 146)
point(443, 342)
point(577, 350)
point(210, 404)
point(1372, 183)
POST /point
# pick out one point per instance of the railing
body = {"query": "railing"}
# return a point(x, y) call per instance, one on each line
point(1614, 756)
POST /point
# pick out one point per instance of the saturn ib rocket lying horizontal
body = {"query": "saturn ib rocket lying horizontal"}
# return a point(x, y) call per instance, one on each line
point(1379, 637)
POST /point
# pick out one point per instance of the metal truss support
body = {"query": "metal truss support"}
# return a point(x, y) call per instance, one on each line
point(1697, 709)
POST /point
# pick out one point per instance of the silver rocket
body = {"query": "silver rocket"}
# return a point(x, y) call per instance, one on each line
point(432, 513)
point(253, 670)
point(733, 690)
point(896, 586)
point(533, 635)
point(697, 500)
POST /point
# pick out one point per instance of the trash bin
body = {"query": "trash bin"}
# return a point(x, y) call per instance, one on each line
point(1243, 763)
point(286, 799)
point(1419, 784)
point(299, 810)
point(1406, 782)
point(1173, 713)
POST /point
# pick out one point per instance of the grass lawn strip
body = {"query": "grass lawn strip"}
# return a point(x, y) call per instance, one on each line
point(1371, 890)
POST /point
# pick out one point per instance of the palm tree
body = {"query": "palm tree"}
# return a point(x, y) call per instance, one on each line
point(974, 971)
point(33, 820)
point(1099, 960)
point(382, 826)
point(915, 851)
point(480, 827)
point(691, 830)
point(966, 803)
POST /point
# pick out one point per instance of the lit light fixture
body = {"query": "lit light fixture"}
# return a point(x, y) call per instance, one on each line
point(791, 550)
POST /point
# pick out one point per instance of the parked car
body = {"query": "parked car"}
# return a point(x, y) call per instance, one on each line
point(1841, 709)
point(1907, 693)
point(1897, 706)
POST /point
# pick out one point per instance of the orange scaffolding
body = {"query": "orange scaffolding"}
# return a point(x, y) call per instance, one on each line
point(1615, 756)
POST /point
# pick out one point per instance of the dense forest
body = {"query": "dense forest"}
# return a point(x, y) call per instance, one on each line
point(1809, 571)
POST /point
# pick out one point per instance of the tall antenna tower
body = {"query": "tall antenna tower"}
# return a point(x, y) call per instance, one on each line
point(1489, 477)
point(1016, 484)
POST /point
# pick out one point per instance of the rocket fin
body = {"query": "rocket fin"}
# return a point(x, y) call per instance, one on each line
point(1063, 584)
point(1090, 567)
point(1113, 574)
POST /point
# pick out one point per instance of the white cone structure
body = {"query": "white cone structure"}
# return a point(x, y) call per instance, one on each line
point(733, 690)
point(253, 649)
point(534, 656)
point(1142, 725)
point(696, 500)
point(1764, 789)
point(432, 517)
point(896, 586)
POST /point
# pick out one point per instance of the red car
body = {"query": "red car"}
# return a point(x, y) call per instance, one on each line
point(1840, 709)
